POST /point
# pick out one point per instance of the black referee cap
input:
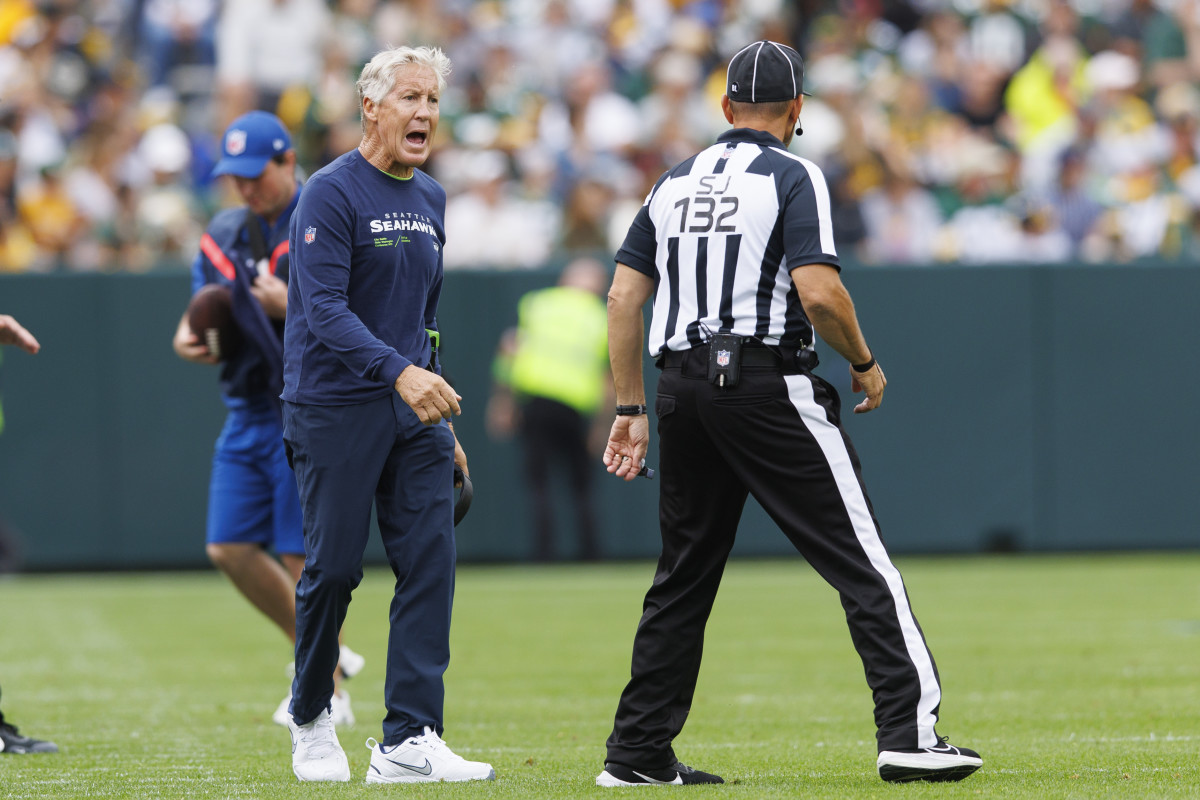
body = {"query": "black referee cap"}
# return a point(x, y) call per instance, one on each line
point(765, 72)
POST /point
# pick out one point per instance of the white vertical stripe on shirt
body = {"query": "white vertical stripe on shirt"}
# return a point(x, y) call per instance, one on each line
point(783, 283)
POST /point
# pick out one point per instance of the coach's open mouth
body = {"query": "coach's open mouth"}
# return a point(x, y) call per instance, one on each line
point(416, 137)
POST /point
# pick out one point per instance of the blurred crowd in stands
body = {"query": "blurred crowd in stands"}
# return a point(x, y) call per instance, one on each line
point(965, 131)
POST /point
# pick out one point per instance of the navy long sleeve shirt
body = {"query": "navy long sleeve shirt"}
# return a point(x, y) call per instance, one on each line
point(366, 275)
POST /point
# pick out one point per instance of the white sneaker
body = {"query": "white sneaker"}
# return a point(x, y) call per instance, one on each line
point(339, 709)
point(350, 662)
point(316, 753)
point(282, 715)
point(421, 759)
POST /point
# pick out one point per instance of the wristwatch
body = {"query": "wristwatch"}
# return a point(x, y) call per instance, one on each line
point(631, 411)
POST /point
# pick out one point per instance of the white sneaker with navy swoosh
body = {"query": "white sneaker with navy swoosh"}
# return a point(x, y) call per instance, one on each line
point(422, 759)
point(316, 753)
point(942, 762)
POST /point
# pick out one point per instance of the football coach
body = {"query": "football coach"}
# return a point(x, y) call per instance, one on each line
point(367, 421)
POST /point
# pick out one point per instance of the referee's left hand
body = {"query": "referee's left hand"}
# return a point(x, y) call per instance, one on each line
point(872, 382)
point(627, 443)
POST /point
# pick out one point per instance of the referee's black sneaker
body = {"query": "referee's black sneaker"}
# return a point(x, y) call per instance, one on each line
point(14, 743)
point(942, 762)
point(679, 775)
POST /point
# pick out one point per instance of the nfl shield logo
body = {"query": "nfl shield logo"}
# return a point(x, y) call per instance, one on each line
point(310, 233)
point(235, 142)
point(722, 358)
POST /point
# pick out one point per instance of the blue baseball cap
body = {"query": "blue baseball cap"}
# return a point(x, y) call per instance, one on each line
point(250, 142)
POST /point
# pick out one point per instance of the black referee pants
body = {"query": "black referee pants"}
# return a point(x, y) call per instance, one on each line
point(779, 438)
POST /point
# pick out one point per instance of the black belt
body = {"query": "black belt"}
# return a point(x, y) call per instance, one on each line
point(754, 354)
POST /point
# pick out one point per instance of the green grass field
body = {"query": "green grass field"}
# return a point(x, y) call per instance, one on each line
point(1075, 677)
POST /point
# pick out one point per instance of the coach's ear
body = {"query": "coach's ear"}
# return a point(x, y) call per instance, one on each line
point(727, 109)
point(370, 109)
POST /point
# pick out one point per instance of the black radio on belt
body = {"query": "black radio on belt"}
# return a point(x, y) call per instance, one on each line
point(805, 359)
point(724, 359)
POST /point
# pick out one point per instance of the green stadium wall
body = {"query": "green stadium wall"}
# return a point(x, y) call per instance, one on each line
point(1029, 409)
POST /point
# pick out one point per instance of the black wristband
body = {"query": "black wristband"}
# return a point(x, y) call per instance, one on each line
point(631, 411)
point(863, 367)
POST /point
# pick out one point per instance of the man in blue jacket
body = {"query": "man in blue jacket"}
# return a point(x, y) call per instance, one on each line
point(252, 501)
point(366, 419)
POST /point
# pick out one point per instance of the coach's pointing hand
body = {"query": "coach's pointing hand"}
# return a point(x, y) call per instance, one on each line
point(427, 394)
point(872, 382)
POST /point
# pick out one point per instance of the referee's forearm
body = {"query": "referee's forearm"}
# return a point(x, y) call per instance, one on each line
point(837, 324)
point(626, 332)
point(829, 308)
point(625, 335)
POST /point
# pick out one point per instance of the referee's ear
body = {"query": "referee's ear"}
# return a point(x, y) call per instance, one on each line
point(727, 108)
point(797, 105)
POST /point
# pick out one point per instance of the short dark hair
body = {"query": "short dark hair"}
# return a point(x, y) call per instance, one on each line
point(279, 158)
point(766, 110)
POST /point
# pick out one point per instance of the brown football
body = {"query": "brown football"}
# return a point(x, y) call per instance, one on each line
point(210, 316)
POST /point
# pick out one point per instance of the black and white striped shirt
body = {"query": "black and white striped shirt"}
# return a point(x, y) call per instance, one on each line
point(719, 234)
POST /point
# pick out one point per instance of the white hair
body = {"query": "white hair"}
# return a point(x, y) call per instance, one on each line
point(379, 75)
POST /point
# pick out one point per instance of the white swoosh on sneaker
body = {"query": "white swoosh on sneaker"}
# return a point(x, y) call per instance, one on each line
point(678, 779)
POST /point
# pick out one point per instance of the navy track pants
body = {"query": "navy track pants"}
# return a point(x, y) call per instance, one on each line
point(345, 458)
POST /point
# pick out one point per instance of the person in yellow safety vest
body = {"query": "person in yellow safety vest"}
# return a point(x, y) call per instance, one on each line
point(551, 377)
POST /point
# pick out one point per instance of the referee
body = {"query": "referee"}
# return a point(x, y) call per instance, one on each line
point(736, 246)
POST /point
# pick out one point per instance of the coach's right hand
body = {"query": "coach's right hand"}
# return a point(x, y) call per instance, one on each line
point(427, 394)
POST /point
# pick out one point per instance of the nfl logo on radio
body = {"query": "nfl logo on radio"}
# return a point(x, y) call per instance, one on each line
point(722, 358)
point(310, 233)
